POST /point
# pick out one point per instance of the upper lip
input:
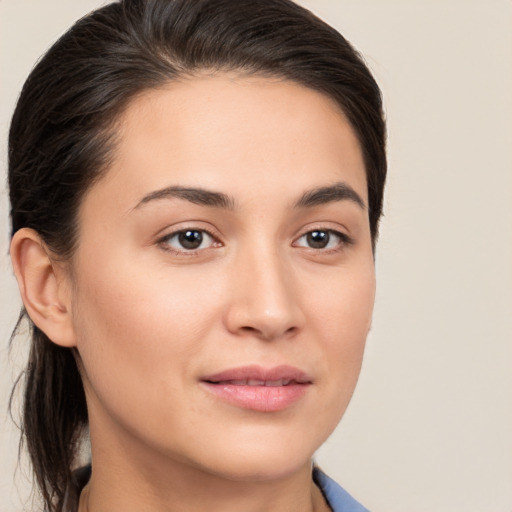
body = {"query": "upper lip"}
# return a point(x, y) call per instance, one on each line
point(259, 375)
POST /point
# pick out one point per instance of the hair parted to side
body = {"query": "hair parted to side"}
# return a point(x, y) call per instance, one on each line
point(63, 135)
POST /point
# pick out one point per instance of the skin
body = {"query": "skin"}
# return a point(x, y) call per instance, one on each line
point(150, 318)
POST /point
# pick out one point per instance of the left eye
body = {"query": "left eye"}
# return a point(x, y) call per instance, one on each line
point(189, 240)
point(321, 239)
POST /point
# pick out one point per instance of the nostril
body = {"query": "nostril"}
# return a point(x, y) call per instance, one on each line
point(262, 314)
point(269, 332)
point(249, 329)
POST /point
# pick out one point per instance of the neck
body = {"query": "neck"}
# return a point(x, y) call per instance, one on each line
point(130, 480)
point(296, 493)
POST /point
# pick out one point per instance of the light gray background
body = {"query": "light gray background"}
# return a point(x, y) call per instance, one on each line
point(430, 426)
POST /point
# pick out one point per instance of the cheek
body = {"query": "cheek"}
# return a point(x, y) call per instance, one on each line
point(342, 306)
point(339, 319)
point(133, 324)
point(341, 316)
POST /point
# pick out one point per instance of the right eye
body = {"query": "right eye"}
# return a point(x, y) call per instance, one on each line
point(188, 241)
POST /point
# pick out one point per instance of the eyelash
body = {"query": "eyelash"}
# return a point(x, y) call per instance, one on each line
point(163, 242)
point(343, 241)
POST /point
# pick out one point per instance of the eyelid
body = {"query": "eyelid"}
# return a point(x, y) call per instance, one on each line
point(162, 240)
point(345, 239)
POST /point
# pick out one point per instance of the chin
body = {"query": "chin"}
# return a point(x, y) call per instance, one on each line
point(260, 468)
point(261, 454)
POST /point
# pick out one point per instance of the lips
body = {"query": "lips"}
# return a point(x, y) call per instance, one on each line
point(255, 382)
point(257, 388)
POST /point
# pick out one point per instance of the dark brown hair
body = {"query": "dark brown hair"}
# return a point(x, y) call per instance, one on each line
point(63, 133)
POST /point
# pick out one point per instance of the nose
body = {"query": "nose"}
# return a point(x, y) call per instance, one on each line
point(263, 301)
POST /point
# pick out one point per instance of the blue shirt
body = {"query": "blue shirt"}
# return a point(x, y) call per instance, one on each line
point(338, 499)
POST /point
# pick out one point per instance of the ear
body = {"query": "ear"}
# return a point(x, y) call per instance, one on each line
point(44, 285)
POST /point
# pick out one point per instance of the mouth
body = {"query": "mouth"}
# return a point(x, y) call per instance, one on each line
point(259, 389)
point(254, 382)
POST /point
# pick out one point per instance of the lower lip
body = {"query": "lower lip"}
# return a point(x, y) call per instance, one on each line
point(259, 398)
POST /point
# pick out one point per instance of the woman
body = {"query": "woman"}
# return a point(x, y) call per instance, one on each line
point(196, 189)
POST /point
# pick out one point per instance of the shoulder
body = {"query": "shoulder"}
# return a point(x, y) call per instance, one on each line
point(338, 499)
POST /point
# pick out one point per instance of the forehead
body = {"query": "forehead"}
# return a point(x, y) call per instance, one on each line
point(237, 134)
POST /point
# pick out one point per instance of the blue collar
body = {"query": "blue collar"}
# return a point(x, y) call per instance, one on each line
point(338, 499)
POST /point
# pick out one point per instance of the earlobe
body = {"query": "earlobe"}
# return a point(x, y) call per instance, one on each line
point(43, 285)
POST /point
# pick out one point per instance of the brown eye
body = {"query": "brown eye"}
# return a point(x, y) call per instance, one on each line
point(318, 239)
point(188, 240)
point(323, 239)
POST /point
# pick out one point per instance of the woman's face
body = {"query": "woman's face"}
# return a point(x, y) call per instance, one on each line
point(223, 285)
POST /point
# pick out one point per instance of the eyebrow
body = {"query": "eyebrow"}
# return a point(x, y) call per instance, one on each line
point(194, 195)
point(338, 192)
point(202, 197)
